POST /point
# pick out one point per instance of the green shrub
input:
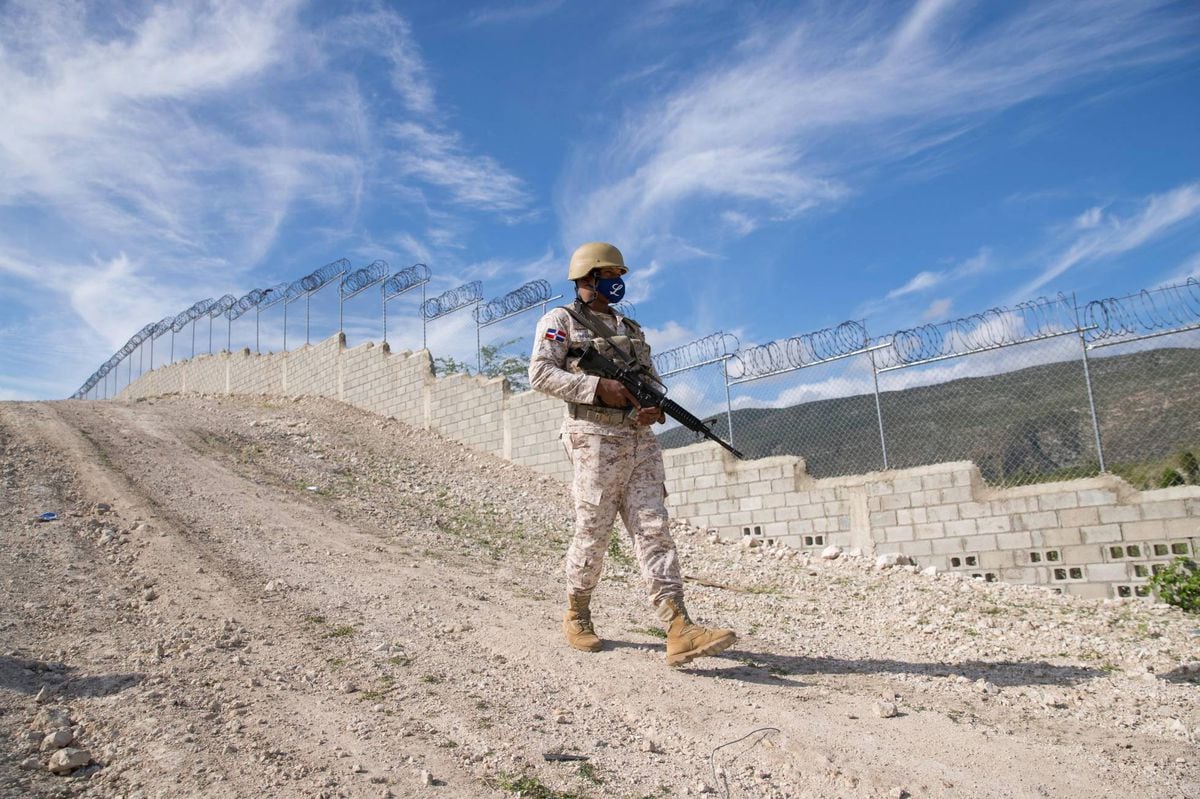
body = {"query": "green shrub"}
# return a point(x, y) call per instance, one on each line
point(1179, 585)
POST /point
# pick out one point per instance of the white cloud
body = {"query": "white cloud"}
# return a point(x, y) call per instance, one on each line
point(513, 13)
point(740, 224)
point(438, 158)
point(1116, 235)
point(919, 282)
point(937, 310)
point(1089, 218)
point(791, 119)
point(1188, 270)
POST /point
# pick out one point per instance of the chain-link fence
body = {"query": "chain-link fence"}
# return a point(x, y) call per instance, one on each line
point(1041, 391)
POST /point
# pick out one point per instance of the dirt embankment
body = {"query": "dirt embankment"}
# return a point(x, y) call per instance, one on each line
point(248, 598)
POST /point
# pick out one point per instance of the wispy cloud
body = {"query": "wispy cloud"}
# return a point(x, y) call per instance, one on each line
point(794, 117)
point(1113, 235)
point(438, 158)
point(925, 280)
point(513, 13)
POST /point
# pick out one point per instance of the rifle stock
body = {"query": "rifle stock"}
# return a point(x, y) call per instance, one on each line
point(649, 395)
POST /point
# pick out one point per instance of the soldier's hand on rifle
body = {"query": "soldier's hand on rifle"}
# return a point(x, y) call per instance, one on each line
point(649, 416)
point(614, 394)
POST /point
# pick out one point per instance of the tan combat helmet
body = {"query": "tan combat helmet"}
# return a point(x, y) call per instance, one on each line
point(594, 255)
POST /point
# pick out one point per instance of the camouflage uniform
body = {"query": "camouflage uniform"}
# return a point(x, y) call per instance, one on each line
point(618, 465)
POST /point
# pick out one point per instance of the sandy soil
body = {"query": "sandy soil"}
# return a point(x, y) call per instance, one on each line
point(268, 598)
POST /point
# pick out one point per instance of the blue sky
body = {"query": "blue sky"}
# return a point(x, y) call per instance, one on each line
point(767, 168)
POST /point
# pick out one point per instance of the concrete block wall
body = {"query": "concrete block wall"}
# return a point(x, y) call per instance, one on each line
point(1096, 536)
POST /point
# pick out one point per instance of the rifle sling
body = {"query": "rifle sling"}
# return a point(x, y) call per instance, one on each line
point(601, 330)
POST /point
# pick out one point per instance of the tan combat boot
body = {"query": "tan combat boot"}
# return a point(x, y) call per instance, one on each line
point(686, 640)
point(577, 624)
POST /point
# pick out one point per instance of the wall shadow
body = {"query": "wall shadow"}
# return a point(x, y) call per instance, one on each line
point(28, 676)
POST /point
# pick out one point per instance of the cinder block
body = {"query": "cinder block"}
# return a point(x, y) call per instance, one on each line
point(929, 530)
point(912, 516)
point(1097, 496)
point(1035, 521)
point(1183, 528)
point(1101, 534)
point(943, 513)
point(1109, 572)
point(893, 501)
point(962, 527)
point(1063, 536)
point(1144, 531)
point(1079, 517)
point(994, 524)
point(1018, 540)
point(898, 533)
point(943, 480)
point(1058, 501)
point(883, 518)
point(956, 495)
point(975, 510)
point(1171, 509)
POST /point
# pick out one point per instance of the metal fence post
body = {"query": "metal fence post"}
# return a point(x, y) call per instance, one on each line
point(879, 409)
point(1087, 379)
point(728, 402)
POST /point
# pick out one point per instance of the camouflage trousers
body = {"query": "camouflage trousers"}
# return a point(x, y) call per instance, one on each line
point(620, 473)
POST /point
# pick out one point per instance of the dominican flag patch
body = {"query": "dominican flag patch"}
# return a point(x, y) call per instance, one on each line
point(555, 335)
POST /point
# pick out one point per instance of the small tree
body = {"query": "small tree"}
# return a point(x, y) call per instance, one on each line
point(1179, 585)
point(515, 368)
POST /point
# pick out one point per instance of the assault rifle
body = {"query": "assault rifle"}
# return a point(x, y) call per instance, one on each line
point(647, 393)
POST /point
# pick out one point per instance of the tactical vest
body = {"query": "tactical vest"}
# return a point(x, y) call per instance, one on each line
point(619, 349)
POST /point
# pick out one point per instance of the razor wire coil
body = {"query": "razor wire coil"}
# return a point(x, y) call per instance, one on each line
point(191, 314)
point(319, 277)
point(702, 350)
point(452, 300)
point(1147, 312)
point(250, 300)
point(360, 279)
point(405, 279)
point(221, 306)
point(996, 327)
point(799, 351)
point(532, 293)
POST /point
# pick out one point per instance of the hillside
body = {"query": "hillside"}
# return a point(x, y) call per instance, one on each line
point(246, 597)
point(1019, 426)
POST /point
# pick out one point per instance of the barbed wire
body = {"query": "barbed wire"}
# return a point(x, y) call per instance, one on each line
point(251, 299)
point(1149, 311)
point(702, 350)
point(360, 279)
point(191, 314)
point(798, 351)
point(274, 295)
point(319, 277)
point(993, 328)
point(221, 306)
point(405, 279)
point(535, 292)
point(452, 300)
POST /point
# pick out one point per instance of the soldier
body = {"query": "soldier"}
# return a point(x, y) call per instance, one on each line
point(617, 461)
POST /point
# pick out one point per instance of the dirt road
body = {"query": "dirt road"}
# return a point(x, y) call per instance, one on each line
point(267, 598)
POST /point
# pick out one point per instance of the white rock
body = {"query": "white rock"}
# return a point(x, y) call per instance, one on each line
point(426, 777)
point(890, 559)
point(64, 761)
point(885, 709)
point(831, 552)
point(930, 571)
point(56, 740)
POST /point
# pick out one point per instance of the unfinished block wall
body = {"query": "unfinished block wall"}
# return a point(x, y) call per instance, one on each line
point(1095, 536)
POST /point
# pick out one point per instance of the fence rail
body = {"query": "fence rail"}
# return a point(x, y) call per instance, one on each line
point(1039, 390)
point(1021, 390)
